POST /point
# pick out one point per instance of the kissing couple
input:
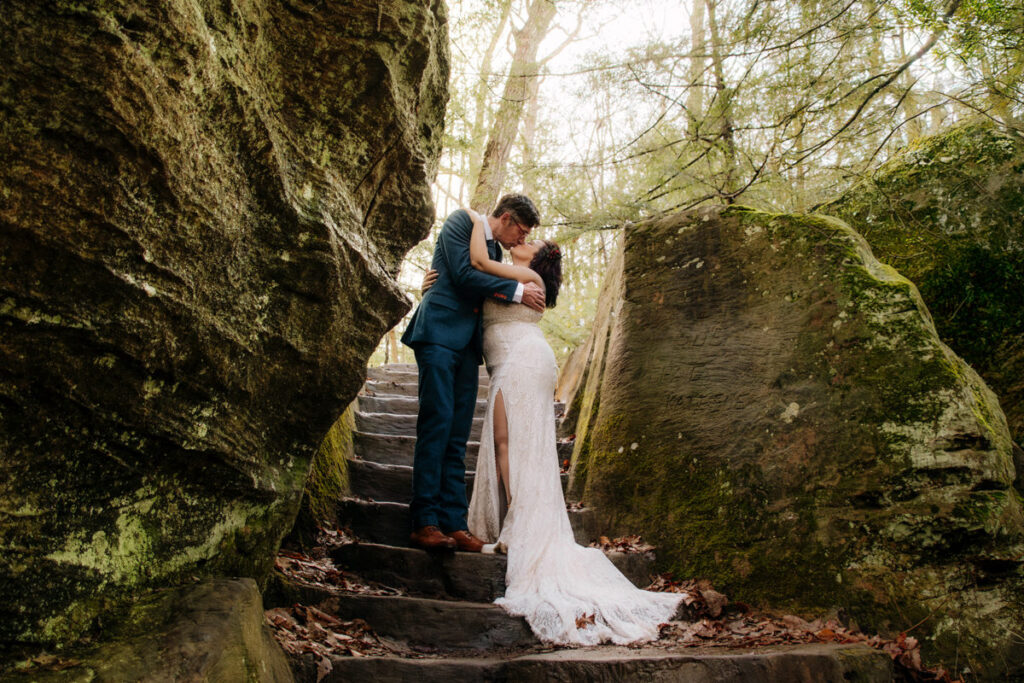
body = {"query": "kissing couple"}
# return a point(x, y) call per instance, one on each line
point(475, 307)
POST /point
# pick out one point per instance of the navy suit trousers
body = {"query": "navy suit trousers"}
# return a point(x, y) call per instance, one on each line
point(447, 392)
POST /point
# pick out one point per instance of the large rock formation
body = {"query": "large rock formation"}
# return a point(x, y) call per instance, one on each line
point(949, 214)
point(203, 206)
point(772, 407)
point(212, 631)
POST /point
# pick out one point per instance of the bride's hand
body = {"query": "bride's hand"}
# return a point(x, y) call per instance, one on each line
point(472, 214)
point(429, 278)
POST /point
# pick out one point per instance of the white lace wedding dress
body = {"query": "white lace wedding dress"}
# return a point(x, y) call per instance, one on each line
point(569, 594)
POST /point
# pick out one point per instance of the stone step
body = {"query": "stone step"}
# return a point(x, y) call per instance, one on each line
point(386, 483)
point(401, 425)
point(403, 372)
point(374, 388)
point(389, 523)
point(389, 449)
point(393, 483)
point(409, 405)
point(417, 621)
point(454, 576)
point(401, 405)
point(818, 663)
point(398, 367)
point(386, 374)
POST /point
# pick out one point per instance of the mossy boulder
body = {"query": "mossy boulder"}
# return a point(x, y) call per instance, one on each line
point(203, 208)
point(211, 631)
point(948, 213)
point(773, 409)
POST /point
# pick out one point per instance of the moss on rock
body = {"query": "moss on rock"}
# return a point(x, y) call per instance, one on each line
point(949, 214)
point(328, 481)
point(211, 631)
point(775, 411)
point(204, 208)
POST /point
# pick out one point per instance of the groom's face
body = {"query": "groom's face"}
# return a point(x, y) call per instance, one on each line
point(510, 231)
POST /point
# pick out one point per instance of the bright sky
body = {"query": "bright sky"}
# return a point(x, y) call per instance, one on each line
point(609, 29)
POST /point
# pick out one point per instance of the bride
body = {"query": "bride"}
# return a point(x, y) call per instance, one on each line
point(567, 593)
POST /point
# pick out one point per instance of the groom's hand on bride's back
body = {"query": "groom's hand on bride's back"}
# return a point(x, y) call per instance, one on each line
point(429, 278)
point(533, 296)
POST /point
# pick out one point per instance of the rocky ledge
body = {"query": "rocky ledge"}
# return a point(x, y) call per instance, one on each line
point(203, 210)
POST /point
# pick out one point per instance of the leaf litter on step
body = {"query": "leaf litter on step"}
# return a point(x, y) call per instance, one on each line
point(710, 620)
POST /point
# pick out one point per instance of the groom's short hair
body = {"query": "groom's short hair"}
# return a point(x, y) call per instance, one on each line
point(521, 207)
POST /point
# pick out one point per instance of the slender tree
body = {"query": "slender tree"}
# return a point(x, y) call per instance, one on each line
point(522, 72)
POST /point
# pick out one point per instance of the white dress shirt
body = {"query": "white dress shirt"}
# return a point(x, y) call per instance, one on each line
point(518, 298)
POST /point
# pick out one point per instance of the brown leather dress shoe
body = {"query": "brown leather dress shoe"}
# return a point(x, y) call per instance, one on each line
point(431, 538)
point(466, 541)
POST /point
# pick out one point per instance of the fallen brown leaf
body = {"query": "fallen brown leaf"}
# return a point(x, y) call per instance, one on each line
point(584, 621)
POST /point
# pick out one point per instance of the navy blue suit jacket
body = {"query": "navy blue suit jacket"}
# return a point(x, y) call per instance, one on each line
point(450, 313)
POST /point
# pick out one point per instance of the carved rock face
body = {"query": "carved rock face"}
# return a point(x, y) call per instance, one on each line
point(772, 408)
point(949, 214)
point(203, 209)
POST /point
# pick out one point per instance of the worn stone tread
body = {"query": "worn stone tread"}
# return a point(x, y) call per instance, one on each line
point(393, 483)
point(404, 372)
point(390, 388)
point(401, 424)
point(402, 405)
point(437, 623)
point(409, 405)
point(389, 523)
point(459, 576)
point(396, 449)
point(401, 367)
point(442, 624)
point(792, 664)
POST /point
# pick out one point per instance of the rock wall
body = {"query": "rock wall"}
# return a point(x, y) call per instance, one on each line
point(949, 214)
point(210, 631)
point(203, 209)
point(327, 483)
point(773, 409)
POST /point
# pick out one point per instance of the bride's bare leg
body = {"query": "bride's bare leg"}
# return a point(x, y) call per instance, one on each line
point(501, 443)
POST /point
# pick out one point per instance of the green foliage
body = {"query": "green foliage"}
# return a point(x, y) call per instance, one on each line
point(948, 213)
point(974, 295)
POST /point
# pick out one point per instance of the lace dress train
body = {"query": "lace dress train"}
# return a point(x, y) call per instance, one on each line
point(567, 593)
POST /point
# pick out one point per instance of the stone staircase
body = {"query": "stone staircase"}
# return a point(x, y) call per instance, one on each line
point(444, 620)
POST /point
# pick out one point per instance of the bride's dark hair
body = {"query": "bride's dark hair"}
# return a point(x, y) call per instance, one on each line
point(547, 263)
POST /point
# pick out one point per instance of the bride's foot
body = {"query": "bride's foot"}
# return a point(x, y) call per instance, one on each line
point(494, 549)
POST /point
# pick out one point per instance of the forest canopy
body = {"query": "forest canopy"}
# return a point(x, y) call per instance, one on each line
point(606, 113)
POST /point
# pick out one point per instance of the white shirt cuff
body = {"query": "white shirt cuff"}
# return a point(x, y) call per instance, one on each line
point(518, 298)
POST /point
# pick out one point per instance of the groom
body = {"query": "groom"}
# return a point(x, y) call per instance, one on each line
point(446, 336)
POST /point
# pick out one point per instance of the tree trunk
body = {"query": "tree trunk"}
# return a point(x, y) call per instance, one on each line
point(530, 136)
point(482, 88)
point(522, 72)
point(722, 117)
point(392, 348)
point(695, 94)
point(910, 105)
